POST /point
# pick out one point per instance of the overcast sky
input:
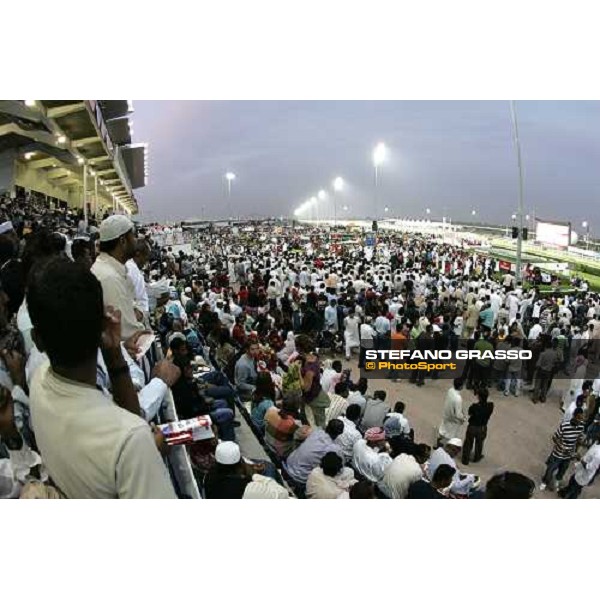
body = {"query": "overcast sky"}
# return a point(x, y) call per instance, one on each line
point(446, 156)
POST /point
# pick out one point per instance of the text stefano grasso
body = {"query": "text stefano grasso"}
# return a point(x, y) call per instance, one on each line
point(511, 354)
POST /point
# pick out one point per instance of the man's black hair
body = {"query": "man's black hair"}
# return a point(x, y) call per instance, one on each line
point(66, 308)
point(399, 407)
point(336, 365)
point(509, 486)
point(353, 412)
point(331, 464)
point(443, 473)
point(334, 428)
point(79, 246)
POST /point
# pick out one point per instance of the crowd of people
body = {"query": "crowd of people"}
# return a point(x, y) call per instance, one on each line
point(101, 323)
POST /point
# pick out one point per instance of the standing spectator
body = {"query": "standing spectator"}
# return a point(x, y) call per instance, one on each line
point(117, 246)
point(585, 472)
point(479, 416)
point(565, 441)
point(454, 415)
point(91, 447)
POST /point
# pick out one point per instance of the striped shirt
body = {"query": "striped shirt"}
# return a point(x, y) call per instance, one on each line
point(565, 440)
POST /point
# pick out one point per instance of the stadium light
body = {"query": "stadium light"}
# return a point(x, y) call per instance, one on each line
point(29, 102)
point(338, 186)
point(386, 209)
point(379, 154)
point(322, 195)
point(229, 176)
point(80, 160)
point(61, 138)
point(28, 155)
point(473, 212)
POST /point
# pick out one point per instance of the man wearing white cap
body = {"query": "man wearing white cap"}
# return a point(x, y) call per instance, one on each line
point(117, 246)
point(462, 484)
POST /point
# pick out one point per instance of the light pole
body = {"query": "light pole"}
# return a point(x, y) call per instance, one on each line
point(338, 186)
point(321, 195)
point(230, 177)
point(313, 203)
point(586, 226)
point(379, 154)
point(520, 209)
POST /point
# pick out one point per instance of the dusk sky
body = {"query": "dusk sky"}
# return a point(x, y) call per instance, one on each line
point(447, 156)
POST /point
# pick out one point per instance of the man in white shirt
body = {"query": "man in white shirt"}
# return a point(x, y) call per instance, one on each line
point(535, 330)
point(454, 415)
point(350, 435)
point(134, 266)
point(93, 445)
point(402, 471)
point(117, 246)
point(585, 472)
point(371, 455)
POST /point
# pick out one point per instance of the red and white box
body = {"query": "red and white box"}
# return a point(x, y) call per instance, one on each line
point(187, 431)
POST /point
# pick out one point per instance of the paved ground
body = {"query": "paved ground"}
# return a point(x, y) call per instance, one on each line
point(519, 433)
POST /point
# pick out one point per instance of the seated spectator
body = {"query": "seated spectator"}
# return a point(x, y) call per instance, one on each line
point(350, 435)
point(358, 395)
point(225, 351)
point(462, 484)
point(229, 476)
point(310, 452)
point(283, 428)
point(371, 455)
point(376, 409)
point(509, 486)
point(363, 490)
point(190, 403)
point(245, 371)
point(432, 490)
point(339, 402)
point(263, 399)
point(264, 488)
point(395, 423)
point(110, 453)
point(331, 480)
point(404, 470)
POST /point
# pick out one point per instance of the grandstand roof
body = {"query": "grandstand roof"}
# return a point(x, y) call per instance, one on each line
point(56, 135)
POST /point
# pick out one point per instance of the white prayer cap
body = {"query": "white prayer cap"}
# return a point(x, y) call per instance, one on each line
point(6, 227)
point(114, 227)
point(455, 442)
point(228, 453)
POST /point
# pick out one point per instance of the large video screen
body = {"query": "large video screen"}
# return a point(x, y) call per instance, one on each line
point(554, 234)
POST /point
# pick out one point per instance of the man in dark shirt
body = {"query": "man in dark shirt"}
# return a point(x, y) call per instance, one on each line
point(479, 415)
point(228, 478)
point(424, 490)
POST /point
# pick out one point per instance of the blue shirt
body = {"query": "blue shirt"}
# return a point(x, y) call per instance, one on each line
point(309, 454)
point(258, 412)
point(487, 316)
